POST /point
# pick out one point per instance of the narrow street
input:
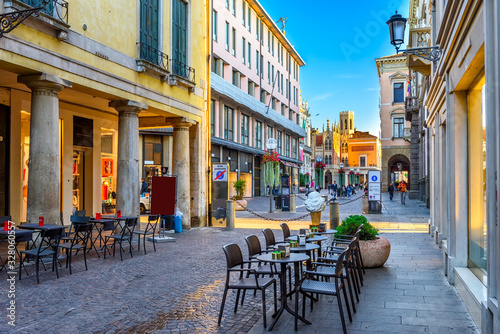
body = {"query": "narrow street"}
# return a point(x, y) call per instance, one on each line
point(158, 293)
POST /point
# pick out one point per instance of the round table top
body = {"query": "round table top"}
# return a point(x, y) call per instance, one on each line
point(306, 248)
point(326, 232)
point(317, 238)
point(294, 257)
point(313, 239)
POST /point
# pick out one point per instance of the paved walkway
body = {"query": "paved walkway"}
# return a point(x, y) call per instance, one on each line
point(179, 288)
point(407, 295)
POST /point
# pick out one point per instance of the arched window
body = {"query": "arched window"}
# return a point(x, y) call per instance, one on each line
point(345, 124)
point(350, 124)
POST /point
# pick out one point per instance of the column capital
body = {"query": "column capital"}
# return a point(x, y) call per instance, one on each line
point(180, 122)
point(45, 83)
point(128, 106)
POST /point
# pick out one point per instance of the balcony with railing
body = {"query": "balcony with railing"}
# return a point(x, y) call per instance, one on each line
point(182, 71)
point(412, 105)
point(152, 60)
point(54, 15)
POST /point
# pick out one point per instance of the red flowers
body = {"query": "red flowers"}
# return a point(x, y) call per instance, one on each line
point(319, 165)
point(270, 157)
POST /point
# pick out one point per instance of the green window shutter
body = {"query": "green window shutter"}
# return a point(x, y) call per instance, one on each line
point(179, 37)
point(149, 22)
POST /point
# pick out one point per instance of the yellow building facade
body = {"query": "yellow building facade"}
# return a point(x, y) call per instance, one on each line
point(78, 81)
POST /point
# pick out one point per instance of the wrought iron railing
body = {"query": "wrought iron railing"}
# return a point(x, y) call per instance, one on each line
point(182, 70)
point(153, 55)
point(57, 9)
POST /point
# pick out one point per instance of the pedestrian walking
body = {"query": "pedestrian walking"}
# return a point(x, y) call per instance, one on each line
point(144, 187)
point(391, 191)
point(403, 187)
point(328, 188)
point(349, 191)
point(334, 189)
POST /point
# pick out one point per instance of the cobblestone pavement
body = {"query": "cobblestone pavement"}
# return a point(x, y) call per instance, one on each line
point(178, 289)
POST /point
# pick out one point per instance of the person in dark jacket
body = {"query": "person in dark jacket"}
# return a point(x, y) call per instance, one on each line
point(144, 187)
point(391, 191)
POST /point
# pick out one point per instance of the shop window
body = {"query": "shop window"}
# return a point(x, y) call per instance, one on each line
point(477, 243)
point(153, 150)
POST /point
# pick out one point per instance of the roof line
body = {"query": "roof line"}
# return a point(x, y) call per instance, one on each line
point(274, 27)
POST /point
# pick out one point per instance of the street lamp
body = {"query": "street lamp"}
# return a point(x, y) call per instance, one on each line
point(397, 25)
point(271, 145)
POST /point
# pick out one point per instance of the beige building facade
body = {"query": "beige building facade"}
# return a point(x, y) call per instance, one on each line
point(394, 129)
point(457, 99)
point(74, 94)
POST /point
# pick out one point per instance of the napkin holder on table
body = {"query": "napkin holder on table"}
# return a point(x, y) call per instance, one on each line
point(284, 248)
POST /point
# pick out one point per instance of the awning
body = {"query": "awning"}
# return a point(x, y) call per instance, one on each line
point(289, 164)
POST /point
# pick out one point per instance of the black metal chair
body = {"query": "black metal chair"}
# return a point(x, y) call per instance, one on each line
point(286, 230)
point(311, 285)
point(127, 231)
point(75, 221)
point(270, 240)
point(349, 272)
point(254, 250)
point(80, 213)
point(357, 257)
point(3, 220)
point(78, 241)
point(235, 263)
point(48, 245)
point(150, 230)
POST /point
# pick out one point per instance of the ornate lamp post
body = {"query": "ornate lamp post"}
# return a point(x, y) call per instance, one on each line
point(397, 25)
point(271, 145)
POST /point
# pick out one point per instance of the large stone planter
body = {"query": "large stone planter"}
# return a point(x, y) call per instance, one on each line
point(375, 252)
point(240, 205)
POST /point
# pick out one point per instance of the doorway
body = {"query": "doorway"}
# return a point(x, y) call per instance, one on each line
point(4, 159)
point(82, 179)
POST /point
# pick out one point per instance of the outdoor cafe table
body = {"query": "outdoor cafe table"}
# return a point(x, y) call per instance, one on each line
point(296, 259)
point(316, 238)
point(103, 224)
point(326, 232)
point(304, 249)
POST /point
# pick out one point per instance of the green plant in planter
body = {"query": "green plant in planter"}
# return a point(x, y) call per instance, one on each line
point(351, 224)
point(239, 186)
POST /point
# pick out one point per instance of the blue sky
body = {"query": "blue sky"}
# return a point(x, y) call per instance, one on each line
point(339, 41)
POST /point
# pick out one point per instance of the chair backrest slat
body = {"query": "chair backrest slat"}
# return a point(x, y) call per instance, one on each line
point(269, 236)
point(253, 244)
point(233, 254)
point(286, 230)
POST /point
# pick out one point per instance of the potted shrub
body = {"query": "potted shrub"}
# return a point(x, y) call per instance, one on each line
point(239, 186)
point(375, 250)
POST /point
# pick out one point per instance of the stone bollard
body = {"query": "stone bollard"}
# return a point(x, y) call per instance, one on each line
point(230, 217)
point(334, 215)
point(293, 206)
